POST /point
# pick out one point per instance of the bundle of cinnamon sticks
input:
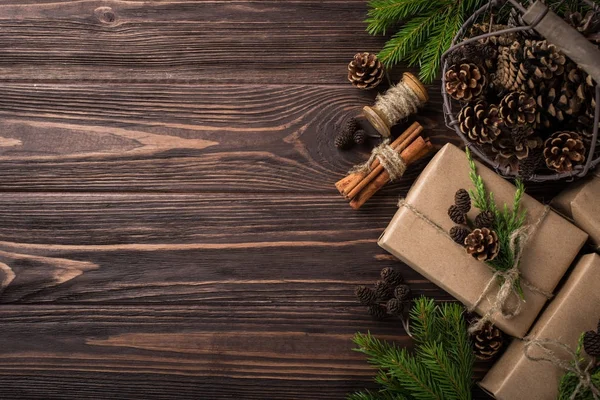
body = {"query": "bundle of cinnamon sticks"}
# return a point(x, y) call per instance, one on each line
point(361, 186)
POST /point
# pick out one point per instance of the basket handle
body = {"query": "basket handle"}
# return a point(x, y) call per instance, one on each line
point(565, 37)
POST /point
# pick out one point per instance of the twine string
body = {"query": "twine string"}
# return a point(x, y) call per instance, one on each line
point(398, 102)
point(389, 159)
point(509, 278)
point(583, 374)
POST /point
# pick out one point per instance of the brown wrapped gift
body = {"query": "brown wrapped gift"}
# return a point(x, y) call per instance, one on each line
point(418, 243)
point(581, 203)
point(575, 309)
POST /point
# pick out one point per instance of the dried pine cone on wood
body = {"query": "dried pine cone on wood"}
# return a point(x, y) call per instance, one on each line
point(482, 244)
point(365, 71)
point(480, 122)
point(564, 150)
point(465, 82)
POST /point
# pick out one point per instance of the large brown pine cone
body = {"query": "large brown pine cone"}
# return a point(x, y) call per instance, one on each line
point(480, 122)
point(365, 71)
point(588, 24)
point(564, 150)
point(494, 41)
point(514, 147)
point(545, 60)
point(555, 102)
point(465, 82)
point(482, 244)
point(518, 109)
point(479, 53)
point(487, 342)
point(509, 76)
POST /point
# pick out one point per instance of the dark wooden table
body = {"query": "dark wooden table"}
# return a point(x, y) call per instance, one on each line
point(169, 226)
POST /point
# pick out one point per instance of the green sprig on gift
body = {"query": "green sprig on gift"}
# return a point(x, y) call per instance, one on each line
point(441, 365)
point(590, 343)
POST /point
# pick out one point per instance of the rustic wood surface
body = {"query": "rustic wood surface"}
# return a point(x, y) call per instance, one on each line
point(169, 228)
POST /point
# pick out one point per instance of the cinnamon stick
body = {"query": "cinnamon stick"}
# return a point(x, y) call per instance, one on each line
point(348, 183)
point(415, 151)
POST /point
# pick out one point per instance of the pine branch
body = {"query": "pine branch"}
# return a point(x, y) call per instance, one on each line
point(479, 195)
point(422, 320)
point(368, 395)
point(384, 14)
point(437, 360)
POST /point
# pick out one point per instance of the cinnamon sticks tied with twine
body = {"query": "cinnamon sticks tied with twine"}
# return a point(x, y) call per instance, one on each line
point(387, 162)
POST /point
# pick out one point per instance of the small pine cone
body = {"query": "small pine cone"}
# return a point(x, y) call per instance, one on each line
point(462, 200)
point(365, 71)
point(351, 125)
point(564, 150)
point(383, 291)
point(485, 219)
point(377, 311)
point(402, 292)
point(482, 244)
point(591, 343)
point(344, 140)
point(480, 122)
point(391, 276)
point(465, 82)
point(394, 307)
point(517, 109)
point(365, 295)
point(487, 342)
point(457, 215)
point(360, 137)
point(459, 233)
point(529, 165)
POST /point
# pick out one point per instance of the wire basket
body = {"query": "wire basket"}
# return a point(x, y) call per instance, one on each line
point(483, 14)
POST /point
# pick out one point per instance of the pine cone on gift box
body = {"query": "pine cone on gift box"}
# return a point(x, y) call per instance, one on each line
point(564, 150)
point(365, 295)
point(487, 342)
point(402, 292)
point(482, 244)
point(457, 215)
point(462, 200)
point(465, 82)
point(459, 233)
point(591, 342)
point(480, 122)
point(392, 277)
point(518, 109)
point(494, 41)
point(365, 71)
point(485, 219)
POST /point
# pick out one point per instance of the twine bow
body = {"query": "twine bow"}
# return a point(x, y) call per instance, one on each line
point(510, 279)
point(389, 159)
point(575, 367)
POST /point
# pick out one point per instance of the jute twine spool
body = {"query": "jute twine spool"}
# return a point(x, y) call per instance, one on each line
point(397, 103)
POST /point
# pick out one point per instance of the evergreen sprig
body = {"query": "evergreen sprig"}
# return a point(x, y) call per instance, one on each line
point(439, 368)
point(569, 381)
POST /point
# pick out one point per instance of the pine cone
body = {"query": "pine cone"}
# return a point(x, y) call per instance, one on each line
point(479, 53)
point(457, 215)
point(365, 71)
point(459, 233)
point(394, 307)
point(509, 76)
point(391, 277)
point(552, 102)
point(487, 342)
point(402, 292)
point(383, 291)
point(462, 200)
point(517, 109)
point(480, 122)
point(529, 165)
point(544, 60)
point(344, 140)
point(365, 295)
point(483, 244)
point(360, 137)
point(465, 82)
point(377, 311)
point(563, 151)
point(485, 219)
point(351, 125)
point(494, 41)
point(512, 149)
point(591, 342)
point(588, 25)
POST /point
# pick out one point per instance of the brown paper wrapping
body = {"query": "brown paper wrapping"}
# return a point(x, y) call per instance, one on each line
point(581, 203)
point(575, 309)
point(434, 255)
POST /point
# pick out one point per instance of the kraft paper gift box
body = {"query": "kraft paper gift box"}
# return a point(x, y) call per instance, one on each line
point(580, 202)
point(416, 242)
point(576, 309)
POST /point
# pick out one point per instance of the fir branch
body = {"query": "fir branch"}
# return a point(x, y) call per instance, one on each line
point(368, 395)
point(479, 194)
point(422, 320)
point(384, 14)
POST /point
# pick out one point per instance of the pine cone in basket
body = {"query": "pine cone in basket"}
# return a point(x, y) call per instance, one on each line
point(487, 342)
point(365, 71)
point(588, 24)
point(480, 122)
point(544, 60)
point(494, 41)
point(509, 76)
point(482, 244)
point(529, 165)
point(479, 53)
point(459, 233)
point(564, 150)
point(552, 104)
point(518, 109)
point(514, 147)
point(465, 82)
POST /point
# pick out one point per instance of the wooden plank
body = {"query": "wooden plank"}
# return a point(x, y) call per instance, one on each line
point(212, 352)
point(174, 41)
point(96, 137)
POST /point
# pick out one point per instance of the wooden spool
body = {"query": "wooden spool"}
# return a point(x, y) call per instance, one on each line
point(376, 117)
